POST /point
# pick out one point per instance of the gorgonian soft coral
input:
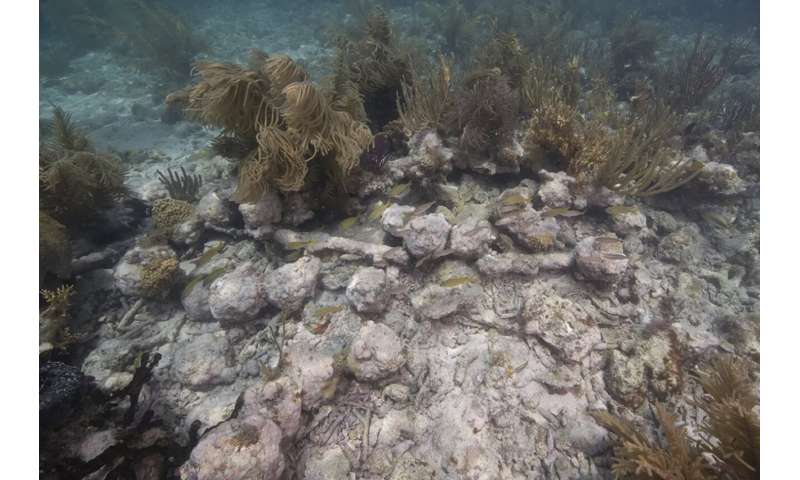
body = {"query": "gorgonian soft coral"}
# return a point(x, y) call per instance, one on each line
point(287, 121)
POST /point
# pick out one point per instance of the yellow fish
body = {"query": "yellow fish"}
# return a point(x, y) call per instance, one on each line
point(515, 199)
point(299, 245)
point(325, 311)
point(376, 212)
point(347, 223)
point(398, 190)
point(457, 281)
point(294, 256)
point(621, 210)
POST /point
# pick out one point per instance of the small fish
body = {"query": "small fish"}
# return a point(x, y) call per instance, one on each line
point(509, 209)
point(442, 253)
point(422, 261)
point(614, 256)
point(209, 254)
point(213, 275)
point(561, 212)
point(330, 310)
point(294, 256)
point(299, 245)
point(347, 223)
point(399, 189)
point(376, 212)
point(422, 209)
point(608, 241)
point(515, 199)
point(621, 210)
point(716, 219)
point(457, 281)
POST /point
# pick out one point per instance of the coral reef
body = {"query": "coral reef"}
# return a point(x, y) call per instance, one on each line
point(729, 448)
point(290, 120)
point(74, 181)
point(181, 186)
point(435, 243)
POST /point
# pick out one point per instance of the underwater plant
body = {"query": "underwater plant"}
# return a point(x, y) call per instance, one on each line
point(377, 66)
point(485, 112)
point(292, 123)
point(425, 100)
point(74, 181)
point(53, 331)
point(730, 433)
point(64, 133)
point(550, 94)
point(633, 44)
point(731, 429)
point(690, 78)
point(505, 52)
point(636, 158)
point(638, 457)
point(181, 186)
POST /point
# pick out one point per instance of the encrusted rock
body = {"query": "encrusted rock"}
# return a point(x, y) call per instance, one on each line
point(556, 190)
point(627, 220)
point(436, 302)
point(297, 209)
point(601, 197)
point(498, 264)
point(394, 218)
point(679, 247)
point(330, 464)
point(601, 259)
point(128, 273)
point(397, 392)
point(720, 179)
point(426, 234)
point(316, 376)
point(376, 353)
point(215, 211)
point(194, 299)
point(96, 443)
point(238, 296)
point(188, 232)
point(516, 216)
point(290, 285)
point(279, 400)
point(368, 290)
point(471, 238)
point(562, 325)
point(247, 448)
point(427, 154)
point(203, 363)
point(624, 378)
point(653, 366)
point(258, 217)
point(378, 254)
